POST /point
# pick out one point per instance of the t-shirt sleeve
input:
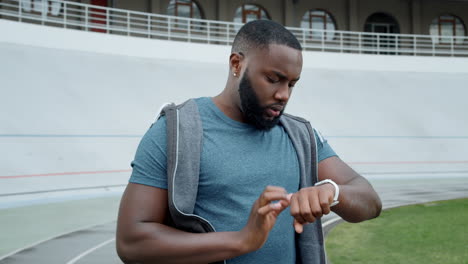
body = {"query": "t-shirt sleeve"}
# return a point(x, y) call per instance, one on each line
point(324, 150)
point(149, 165)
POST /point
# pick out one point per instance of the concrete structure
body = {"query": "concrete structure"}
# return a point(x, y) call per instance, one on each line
point(317, 30)
point(76, 103)
point(412, 16)
point(73, 111)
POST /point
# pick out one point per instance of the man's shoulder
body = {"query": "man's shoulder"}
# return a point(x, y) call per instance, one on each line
point(296, 126)
point(190, 106)
point(290, 117)
point(197, 100)
point(192, 103)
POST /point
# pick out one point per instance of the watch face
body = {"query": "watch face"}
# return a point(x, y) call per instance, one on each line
point(337, 190)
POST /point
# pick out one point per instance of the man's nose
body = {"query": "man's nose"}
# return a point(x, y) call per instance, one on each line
point(282, 94)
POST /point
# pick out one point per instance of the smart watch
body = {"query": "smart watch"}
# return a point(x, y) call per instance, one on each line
point(337, 190)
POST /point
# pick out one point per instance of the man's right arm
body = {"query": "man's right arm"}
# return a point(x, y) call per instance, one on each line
point(142, 236)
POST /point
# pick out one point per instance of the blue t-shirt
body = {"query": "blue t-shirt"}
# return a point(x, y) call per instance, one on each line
point(237, 162)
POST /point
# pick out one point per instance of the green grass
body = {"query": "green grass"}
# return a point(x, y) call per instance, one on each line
point(20, 227)
point(434, 232)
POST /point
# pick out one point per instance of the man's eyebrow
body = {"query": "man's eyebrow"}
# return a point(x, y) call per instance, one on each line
point(282, 76)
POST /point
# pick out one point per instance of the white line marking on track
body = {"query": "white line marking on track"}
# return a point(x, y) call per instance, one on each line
point(53, 237)
point(87, 252)
point(331, 221)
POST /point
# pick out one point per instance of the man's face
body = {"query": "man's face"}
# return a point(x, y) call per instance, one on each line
point(254, 113)
point(266, 84)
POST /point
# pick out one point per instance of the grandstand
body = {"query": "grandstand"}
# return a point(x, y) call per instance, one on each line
point(78, 94)
point(424, 28)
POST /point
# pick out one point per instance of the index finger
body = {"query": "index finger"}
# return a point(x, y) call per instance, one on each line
point(268, 197)
point(271, 188)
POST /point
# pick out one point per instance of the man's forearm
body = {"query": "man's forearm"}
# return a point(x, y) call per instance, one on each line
point(358, 201)
point(157, 243)
point(142, 238)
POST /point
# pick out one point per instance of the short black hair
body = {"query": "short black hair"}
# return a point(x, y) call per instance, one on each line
point(261, 33)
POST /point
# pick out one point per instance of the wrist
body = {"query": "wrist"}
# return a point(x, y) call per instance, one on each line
point(249, 240)
point(242, 242)
point(335, 187)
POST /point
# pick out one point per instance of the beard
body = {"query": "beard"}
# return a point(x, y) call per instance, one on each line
point(254, 113)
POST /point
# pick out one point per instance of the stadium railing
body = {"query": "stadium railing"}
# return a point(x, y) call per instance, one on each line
point(73, 15)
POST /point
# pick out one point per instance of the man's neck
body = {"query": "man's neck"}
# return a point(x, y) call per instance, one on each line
point(227, 104)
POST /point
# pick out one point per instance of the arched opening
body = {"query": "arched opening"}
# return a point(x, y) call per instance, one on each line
point(184, 8)
point(446, 29)
point(321, 23)
point(382, 42)
point(381, 23)
point(248, 12)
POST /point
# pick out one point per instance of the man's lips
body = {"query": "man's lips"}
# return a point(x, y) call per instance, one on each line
point(274, 111)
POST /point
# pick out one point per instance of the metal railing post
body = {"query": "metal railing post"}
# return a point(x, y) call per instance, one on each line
point(45, 4)
point(341, 42)
point(107, 20)
point(323, 40)
point(414, 45)
point(451, 46)
point(396, 44)
point(189, 23)
point(65, 14)
point(169, 25)
point(86, 18)
point(359, 42)
point(148, 17)
point(128, 23)
point(433, 47)
point(378, 44)
point(20, 10)
point(303, 37)
point(208, 28)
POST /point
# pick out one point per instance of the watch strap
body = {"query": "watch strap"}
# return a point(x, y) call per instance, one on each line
point(337, 190)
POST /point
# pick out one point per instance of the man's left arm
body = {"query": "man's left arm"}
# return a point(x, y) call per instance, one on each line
point(358, 200)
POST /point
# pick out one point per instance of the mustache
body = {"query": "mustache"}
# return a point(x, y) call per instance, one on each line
point(276, 106)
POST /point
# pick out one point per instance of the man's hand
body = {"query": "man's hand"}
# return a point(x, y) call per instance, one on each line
point(310, 203)
point(263, 215)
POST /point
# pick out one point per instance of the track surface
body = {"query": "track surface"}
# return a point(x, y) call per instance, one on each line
point(97, 244)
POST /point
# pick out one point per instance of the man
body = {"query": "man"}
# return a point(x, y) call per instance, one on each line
point(250, 188)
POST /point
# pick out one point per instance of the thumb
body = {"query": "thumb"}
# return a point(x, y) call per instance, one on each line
point(298, 226)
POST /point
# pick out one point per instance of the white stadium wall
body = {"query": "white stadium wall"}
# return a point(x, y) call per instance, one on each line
point(76, 104)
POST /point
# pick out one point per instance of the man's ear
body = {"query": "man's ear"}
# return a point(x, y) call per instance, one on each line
point(235, 63)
